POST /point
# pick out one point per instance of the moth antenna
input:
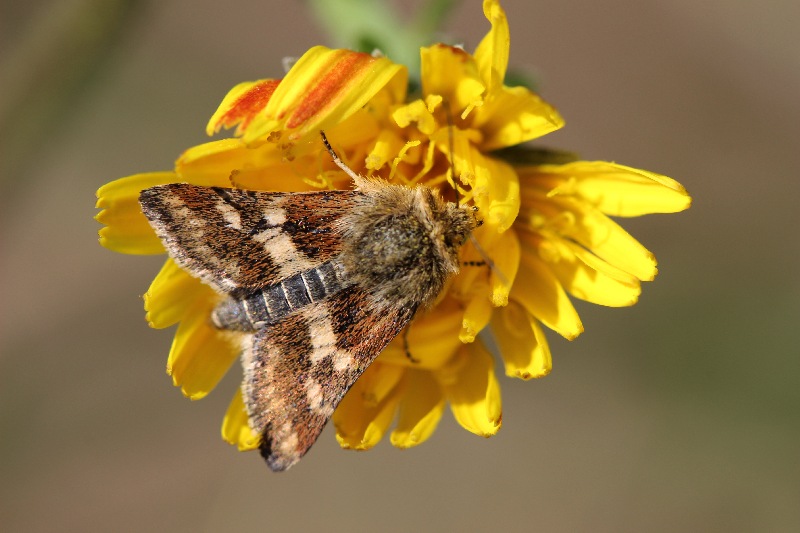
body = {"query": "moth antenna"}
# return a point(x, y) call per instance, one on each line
point(488, 260)
point(339, 163)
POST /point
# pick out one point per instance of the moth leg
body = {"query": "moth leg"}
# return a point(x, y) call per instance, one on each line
point(406, 348)
point(474, 263)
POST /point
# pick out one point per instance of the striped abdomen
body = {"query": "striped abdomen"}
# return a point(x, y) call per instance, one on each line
point(273, 303)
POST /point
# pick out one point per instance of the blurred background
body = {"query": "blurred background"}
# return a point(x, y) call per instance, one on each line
point(679, 414)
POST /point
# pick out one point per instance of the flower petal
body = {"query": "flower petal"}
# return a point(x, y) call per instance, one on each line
point(538, 290)
point(494, 184)
point(579, 278)
point(476, 317)
point(236, 426)
point(220, 163)
point(200, 356)
point(420, 410)
point(364, 415)
point(505, 254)
point(171, 295)
point(522, 343)
point(514, 115)
point(614, 189)
point(417, 112)
point(577, 220)
point(241, 105)
point(501, 187)
point(126, 228)
point(491, 54)
point(451, 73)
point(472, 389)
point(324, 87)
point(387, 145)
point(432, 337)
point(230, 162)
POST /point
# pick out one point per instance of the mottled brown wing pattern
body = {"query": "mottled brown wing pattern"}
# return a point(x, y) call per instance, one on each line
point(298, 370)
point(238, 241)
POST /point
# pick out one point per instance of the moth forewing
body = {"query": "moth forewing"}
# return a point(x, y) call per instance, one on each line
point(321, 282)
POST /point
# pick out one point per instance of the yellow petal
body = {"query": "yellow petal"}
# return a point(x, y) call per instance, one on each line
point(502, 188)
point(241, 105)
point(579, 278)
point(451, 73)
point(360, 421)
point(596, 263)
point(171, 295)
point(472, 389)
point(200, 354)
point(378, 381)
point(577, 220)
point(420, 410)
point(272, 167)
point(494, 183)
point(522, 343)
point(492, 52)
point(323, 88)
point(615, 190)
point(418, 112)
point(236, 428)
point(127, 230)
point(220, 164)
point(505, 254)
point(387, 146)
point(538, 290)
point(432, 337)
point(476, 316)
point(514, 115)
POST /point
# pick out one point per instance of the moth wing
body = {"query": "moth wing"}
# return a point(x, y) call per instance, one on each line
point(297, 371)
point(238, 240)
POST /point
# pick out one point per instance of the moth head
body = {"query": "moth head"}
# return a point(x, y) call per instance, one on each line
point(457, 224)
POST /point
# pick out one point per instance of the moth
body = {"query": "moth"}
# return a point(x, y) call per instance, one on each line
point(316, 283)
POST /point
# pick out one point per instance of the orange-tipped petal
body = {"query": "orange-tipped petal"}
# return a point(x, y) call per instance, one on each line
point(323, 88)
point(241, 105)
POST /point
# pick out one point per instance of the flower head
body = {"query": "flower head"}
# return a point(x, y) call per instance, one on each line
point(546, 228)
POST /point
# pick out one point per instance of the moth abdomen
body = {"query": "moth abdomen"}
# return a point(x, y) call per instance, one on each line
point(253, 310)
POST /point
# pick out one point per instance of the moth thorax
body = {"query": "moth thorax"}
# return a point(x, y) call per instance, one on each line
point(404, 248)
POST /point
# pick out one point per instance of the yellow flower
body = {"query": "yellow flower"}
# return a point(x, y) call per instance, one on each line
point(546, 227)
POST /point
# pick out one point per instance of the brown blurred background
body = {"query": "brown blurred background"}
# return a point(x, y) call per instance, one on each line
point(679, 414)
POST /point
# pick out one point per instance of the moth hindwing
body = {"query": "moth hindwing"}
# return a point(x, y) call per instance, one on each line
point(317, 283)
